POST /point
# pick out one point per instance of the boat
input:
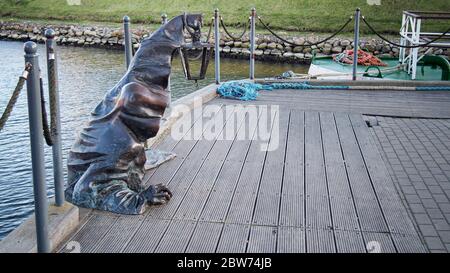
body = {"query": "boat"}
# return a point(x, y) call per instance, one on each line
point(410, 65)
point(429, 68)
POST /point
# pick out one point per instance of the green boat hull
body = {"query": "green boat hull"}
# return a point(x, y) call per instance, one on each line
point(430, 68)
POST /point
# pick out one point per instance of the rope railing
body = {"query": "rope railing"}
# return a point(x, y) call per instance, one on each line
point(49, 129)
point(307, 43)
point(15, 95)
point(234, 38)
point(399, 45)
point(211, 24)
point(45, 125)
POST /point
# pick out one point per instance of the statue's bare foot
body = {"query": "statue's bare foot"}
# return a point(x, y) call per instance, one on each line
point(157, 194)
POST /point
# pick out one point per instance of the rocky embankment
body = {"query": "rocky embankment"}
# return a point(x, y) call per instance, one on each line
point(269, 48)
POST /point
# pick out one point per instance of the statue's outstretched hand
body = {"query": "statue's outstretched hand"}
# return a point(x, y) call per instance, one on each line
point(157, 194)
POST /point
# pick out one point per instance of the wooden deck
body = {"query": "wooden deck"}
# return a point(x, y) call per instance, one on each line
point(325, 188)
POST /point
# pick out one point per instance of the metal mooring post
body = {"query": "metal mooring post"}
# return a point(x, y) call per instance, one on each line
point(216, 46)
point(163, 19)
point(37, 148)
point(356, 43)
point(163, 22)
point(127, 40)
point(52, 72)
point(252, 43)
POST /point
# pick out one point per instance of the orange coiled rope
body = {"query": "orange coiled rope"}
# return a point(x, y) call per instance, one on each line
point(364, 58)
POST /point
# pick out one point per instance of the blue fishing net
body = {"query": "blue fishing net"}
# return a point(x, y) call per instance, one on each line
point(241, 90)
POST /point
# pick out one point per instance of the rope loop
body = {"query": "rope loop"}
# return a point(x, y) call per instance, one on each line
point(15, 95)
point(399, 45)
point(234, 38)
point(45, 126)
point(306, 43)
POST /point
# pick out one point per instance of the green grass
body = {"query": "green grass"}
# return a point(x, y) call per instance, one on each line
point(292, 15)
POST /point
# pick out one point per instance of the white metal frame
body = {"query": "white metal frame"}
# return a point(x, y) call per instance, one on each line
point(410, 35)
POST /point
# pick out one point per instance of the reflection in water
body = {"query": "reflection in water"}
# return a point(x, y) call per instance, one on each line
point(85, 75)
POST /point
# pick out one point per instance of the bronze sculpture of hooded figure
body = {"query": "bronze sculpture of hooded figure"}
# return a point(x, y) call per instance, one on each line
point(106, 163)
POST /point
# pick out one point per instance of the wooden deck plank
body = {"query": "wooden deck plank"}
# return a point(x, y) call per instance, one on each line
point(378, 172)
point(119, 235)
point(269, 194)
point(192, 205)
point(394, 211)
point(347, 102)
point(408, 243)
point(177, 236)
point(292, 208)
point(171, 144)
point(370, 214)
point(199, 191)
point(243, 202)
point(344, 213)
point(291, 240)
point(262, 239)
point(395, 103)
point(318, 214)
point(379, 242)
point(349, 242)
point(92, 232)
point(341, 199)
point(185, 175)
point(234, 238)
point(320, 241)
point(164, 173)
point(205, 238)
point(334, 162)
point(147, 237)
point(217, 205)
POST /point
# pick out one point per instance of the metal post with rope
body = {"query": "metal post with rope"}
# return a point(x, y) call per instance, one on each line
point(37, 148)
point(356, 43)
point(39, 127)
point(127, 41)
point(216, 45)
point(252, 43)
point(55, 117)
point(219, 22)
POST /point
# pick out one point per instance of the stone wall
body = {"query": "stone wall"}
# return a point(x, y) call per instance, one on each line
point(269, 48)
